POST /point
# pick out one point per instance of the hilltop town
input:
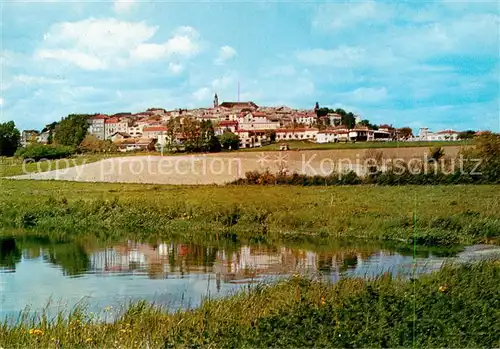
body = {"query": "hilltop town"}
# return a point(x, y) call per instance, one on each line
point(254, 125)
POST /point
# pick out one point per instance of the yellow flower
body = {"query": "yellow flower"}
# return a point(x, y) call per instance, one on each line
point(443, 288)
point(88, 340)
point(36, 332)
point(323, 301)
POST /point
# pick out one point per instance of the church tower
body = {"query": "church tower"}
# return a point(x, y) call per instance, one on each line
point(216, 101)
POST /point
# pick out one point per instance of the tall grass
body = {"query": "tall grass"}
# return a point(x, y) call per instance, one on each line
point(458, 306)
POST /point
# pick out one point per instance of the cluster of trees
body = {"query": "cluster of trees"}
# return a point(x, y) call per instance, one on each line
point(196, 136)
point(348, 118)
point(469, 134)
point(193, 135)
point(71, 131)
point(9, 138)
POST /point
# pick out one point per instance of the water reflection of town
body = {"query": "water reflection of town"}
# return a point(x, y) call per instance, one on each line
point(229, 265)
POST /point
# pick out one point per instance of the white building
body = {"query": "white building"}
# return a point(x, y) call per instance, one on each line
point(253, 138)
point(307, 119)
point(289, 134)
point(445, 135)
point(228, 125)
point(337, 134)
point(256, 121)
point(154, 131)
point(134, 131)
point(97, 126)
point(113, 125)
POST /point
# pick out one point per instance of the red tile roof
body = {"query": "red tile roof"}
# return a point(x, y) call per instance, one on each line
point(155, 128)
point(228, 122)
point(112, 121)
point(447, 132)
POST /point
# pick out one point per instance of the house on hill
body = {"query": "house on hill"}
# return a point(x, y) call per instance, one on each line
point(251, 106)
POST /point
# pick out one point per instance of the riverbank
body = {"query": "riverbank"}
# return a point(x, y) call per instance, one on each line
point(434, 215)
point(457, 306)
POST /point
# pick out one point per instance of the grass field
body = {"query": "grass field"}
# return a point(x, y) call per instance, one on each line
point(456, 307)
point(445, 215)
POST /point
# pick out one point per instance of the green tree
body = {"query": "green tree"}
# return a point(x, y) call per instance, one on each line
point(9, 138)
point(72, 130)
point(229, 140)
point(367, 123)
point(469, 134)
point(405, 132)
point(192, 134)
point(173, 129)
point(348, 119)
point(210, 142)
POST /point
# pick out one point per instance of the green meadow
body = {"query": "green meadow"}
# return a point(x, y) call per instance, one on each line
point(434, 215)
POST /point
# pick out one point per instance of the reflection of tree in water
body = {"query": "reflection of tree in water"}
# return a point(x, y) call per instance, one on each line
point(10, 254)
point(350, 261)
point(72, 258)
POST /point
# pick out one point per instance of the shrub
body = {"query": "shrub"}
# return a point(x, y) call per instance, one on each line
point(38, 152)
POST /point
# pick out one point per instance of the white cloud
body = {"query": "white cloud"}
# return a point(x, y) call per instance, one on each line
point(366, 95)
point(123, 6)
point(344, 15)
point(184, 43)
point(97, 44)
point(225, 54)
point(35, 80)
point(82, 60)
point(343, 56)
point(224, 82)
point(281, 70)
point(175, 68)
point(202, 94)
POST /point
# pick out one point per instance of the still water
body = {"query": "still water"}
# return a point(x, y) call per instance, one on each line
point(34, 270)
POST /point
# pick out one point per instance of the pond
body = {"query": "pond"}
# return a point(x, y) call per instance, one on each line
point(36, 270)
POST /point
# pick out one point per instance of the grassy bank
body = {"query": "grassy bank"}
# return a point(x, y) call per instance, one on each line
point(459, 306)
point(445, 215)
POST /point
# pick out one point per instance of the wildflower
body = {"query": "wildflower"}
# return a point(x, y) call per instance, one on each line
point(443, 288)
point(323, 301)
point(35, 332)
point(88, 340)
point(108, 308)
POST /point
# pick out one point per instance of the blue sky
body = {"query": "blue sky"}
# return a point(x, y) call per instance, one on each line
point(432, 64)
